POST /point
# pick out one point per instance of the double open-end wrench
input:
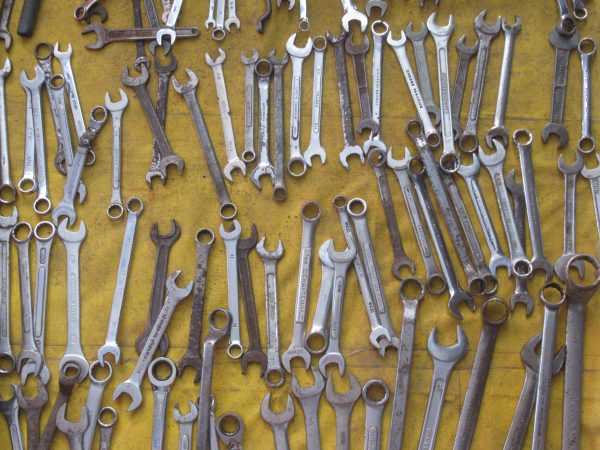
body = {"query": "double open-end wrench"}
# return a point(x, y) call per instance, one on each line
point(374, 412)
point(186, 425)
point(465, 54)
point(278, 421)
point(350, 145)
point(498, 130)
point(161, 386)
point(273, 374)
point(351, 13)
point(444, 360)
point(316, 339)
point(204, 240)
point(358, 52)
point(232, 438)
point(314, 147)
point(94, 401)
point(407, 337)
point(168, 29)
point(593, 176)
point(7, 6)
point(263, 69)
point(233, 160)
point(106, 426)
point(468, 140)
point(311, 212)
point(133, 385)
point(343, 405)
point(249, 154)
point(587, 49)
point(309, 399)
point(73, 430)
point(10, 410)
point(115, 207)
point(163, 244)
point(563, 45)
point(32, 407)
point(231, 238)
point(6, 355)
point(379, 30)
point(135, 208)
point(494, 313)
point(418, 42)
point(279, 189)
point(188, 90)
point(450, 160)
point(8, 192)
point(105, 36)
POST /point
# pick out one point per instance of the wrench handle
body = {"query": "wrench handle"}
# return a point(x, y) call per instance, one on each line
point(520, 422)
point(441, 371)
point(243, 266)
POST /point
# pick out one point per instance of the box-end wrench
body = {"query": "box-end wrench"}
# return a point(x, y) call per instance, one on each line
point(314, 147)
point(32, 407)
point(350, 145)
point(343, 405)
point(579, 10)
point(6, 355)
point(587, 49)
point(115, 207)
point(73, 430)
point(379, 30)
point(106, 426)
point(249, 154)
point(357, 53)
point(465, 54)
point(161, 386)
point(303, 22)
point(227, 209)
point(133, 385)
point(273, 375)
point(186, 424)
point(374, 404)
point(87, 9)
point(309, 397)
point(316, 339)
point(278, 421)
point(352, 13)
point(260, 22)
point(10, 410)
point(263, 69)
point(311, 212)
point(94, 401)
point(8, 192)
point(135, 208)
point(279, 189)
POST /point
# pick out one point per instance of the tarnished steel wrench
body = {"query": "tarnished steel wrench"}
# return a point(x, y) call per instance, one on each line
point(278, 421)
point(168, 29)
point(314, 147)
point(377, 160)
point(249, 153)
point(357, 53)
point(133, 385)
point(135, 208)
point(140, 55)
point(204, 240)
point(32, 407)
point(73, 430)
point(316, 339)
point(8, 192)
point(279, 189)
point(578, 295)
point(343, 405)
point(374, 412)
point(379, 30)
point(493, 318)
point(263, 69)
point(309, 397)
point(468, 140)
point(94, 401)
point(154, 22)
point(227, 209)
point(260, 22)
point(105, 36)
point(215, 334)
point(186, 425)
point(465, 54)
point(83, 11)
point(352, 13)
point(436, 283)
point(115, 207)
point(161, 388)
point(163, 244)
point(6, 355)
point(587, 49)
point(407, 336)
point(231, 438)
point(350, 145)
point(563, 45)
point(10, 410)
point(7, 6)
point(106, 427)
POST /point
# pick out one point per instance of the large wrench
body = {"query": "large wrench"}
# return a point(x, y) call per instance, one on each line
point(105, 36)
point(314, 147)
point(249, 154)
point(7, 190)
point(587, 49)
point(6, 355)
point(115, 207)
point(379, 30)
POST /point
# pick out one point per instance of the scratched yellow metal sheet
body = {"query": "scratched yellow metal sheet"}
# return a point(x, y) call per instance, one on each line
point(190, 199)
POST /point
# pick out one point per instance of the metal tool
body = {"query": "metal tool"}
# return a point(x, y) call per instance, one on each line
point(352, 13)
point(465, 54)
point(593, 176)
point(279, 189)
point(316, 339)
point(161, 386)
point(579, 10)
point(231, 16)
point(73, 430)
point(218, 32)
point(8, 192)
point(263, 69)
point(106, 428)
point(231, 438)
point(444, 360)
point(381, 4)
point(587, 49)
point(374, 412)
point(5, 35)
point(135, 208)
point(278, 421)
point(357, 53)
point(309, 399)
point(28, 17)
point(115, 207)
point(32, 407)
point(140, 51)
point(249, 154)
point(28, 182)
point(235, 349)
point(86, 9)
point(566, 23)
point(260, 22)
point(6, 355)
point(343, 405)
point(10, 410)
point(314, 147)
point(168, 29)
point(94, 401)
point(105, 36)
point(186, 425)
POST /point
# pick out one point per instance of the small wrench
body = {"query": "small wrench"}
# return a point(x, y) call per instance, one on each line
point(115, 207)
point(374, 413)
point(314, 147)
point(465, 54)
point(94, 401)
point(186, 425)
point(161, 386)
point(249, 154)
point(278, 421)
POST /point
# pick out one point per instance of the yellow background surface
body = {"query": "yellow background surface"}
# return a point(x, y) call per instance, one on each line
point(190, 199)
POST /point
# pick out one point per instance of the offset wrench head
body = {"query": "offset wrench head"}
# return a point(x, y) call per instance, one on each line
point(452, 353)
point(381, 4)
point(191, 84)
point(281, 418)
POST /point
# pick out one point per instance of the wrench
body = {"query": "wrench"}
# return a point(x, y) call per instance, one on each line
point(106, 428)
point(32, 407)
point(168, 29)
point(593, 176)
point(465, 54)
point(273, 374)
point(231, 16)
point(10, 409)
point(309, 399)
point(498, 130)
point(210, 21)
point(233, 161)
point(579, 10)
point(374, 413)
point(263, 69)
point(493, 318)
point(563, 45)
point(73, 430)
point(303, 22)
point(218, 32)
point(227, 210)
point(231, 238)
point(135, 208)
point(316, 340)
point(260, 22)
point(566, 24)
point(231, 439)
point(468, 140)
point(161, 388)
point(350, 145)
point(279, 190)
point(407, 336)
point(586, 48)
point(105, 36)
point(249, 153)
point(115, 207)
point(352, 13)
point(311, 212)
point(381, 4)
point(6, 355)
point(358, 52)
point(132, 386)
point(278, 422)
point(8, 192)
point(204, 239)
point(86, 9)
point(186, 425)
point(444, 360)
point(343, 405)
point(314, 147)
point(380, 30)
point(140, 56)
point(5, 35)
point(94, 401)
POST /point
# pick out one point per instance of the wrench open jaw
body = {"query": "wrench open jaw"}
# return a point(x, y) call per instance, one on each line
point(32, 407)
point(278, 421)
point(354, 14)
point(349, 151)
point(291, 4)
point(381, 4)
point(73, 430)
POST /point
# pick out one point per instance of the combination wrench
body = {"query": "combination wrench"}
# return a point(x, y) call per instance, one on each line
point(379, 30)
point(8, 192)
point(343, 405)
point(115, 207)
point(316, 339)
point(263, 69)
point(6, 355)
point(94, 401)
point(374, 412)
point(231, 16)
point(161, 386)
point(309, 397)
point(249, 154)
point(279, 189)
point(186, 424)
point(351, 13)
point(314, 147)
point(32, 408)
point(587, 49)
point(465, 54)
point(278, 421)
point(218, 32)
point(231, 438)
point(10, 410)
point(357, 52)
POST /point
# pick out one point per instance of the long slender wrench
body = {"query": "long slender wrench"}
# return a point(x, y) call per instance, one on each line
point(7, 189)
point(465, 54)
point(309, 399)
point(10, 409)
point(316, 339)
point(379, 30)
point(587, 49)
point(6, 355)
point(314, 147)
point(263, 69)
point(115, 206)
point(94, 402)
point(231, 238)
point(28, 182)
point(161, 388)
point(249, 154)
point(279, 190)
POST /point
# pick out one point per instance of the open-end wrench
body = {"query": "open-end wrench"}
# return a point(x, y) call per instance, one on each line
point(233, 161)
point(168, 29)
point(161, 386)
point(358, 52)
point(494, 313)
point(593, 176)
point(7, 6)
point(374, 412)
point(465, 54)
point(418, 42)
point(343, 405)
point(204, 240)
point(133, 385)
point(106, 427)
point(115, 207)
point(6, 355)
point(381, 4)
point(231, 238)
point(163, 244)
point(468, 140)
point(341, 263)
point(278, 421)
point(10, 410)
point(314, 147)
point(379, 30)
point(73, 430)
point(296, 165)
point(263, 69)
point(227, 209)
point(232, 438)
point(32, 407)
point(210, 21)
point(273, 374)
point(399, 46)
point(135, 208)
point(350, 145)
point(407, 337)
point(8, 192)
point(249, 154)
point(94, 401)
point(105, 36)
point(351, 13)
point(444, 360)
point(311, 212)
point(309, 399)
point(186, 425)
point(215, 334)
point(316, 339)
point(586, 48)
point(254, 353)
point(279, 189)
point(563, 45)
point(231, 16)
point(498, 130)
point(566, 23)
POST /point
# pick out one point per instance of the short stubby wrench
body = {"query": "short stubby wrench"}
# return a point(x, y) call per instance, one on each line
point(73, 430)
point(232, 438)
point(115, 207)
point(314, 147)
point(296, 164)
point(593, 176)
point(133, 385)
point(135, 208)
point(563, 45)
point(94, 401)
point(233, 161)
point(8, 192)
point(6, 354)
point(186, 425)
point(311, 212)
point(264, 69)
point(273, 375)
point(444, 360)
point(168, 29)
point(309, 397)
point(316, 339)
point(374, 412)
point(352, 13)
point(279, 189)
point(278, 421)
point(586, 48)
point(357, 53)
point(249, 154)
point(107, 426)
point(465, 54)
point(161, 386)
point(10, 410)
point(343, 405)
point(32, 407)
